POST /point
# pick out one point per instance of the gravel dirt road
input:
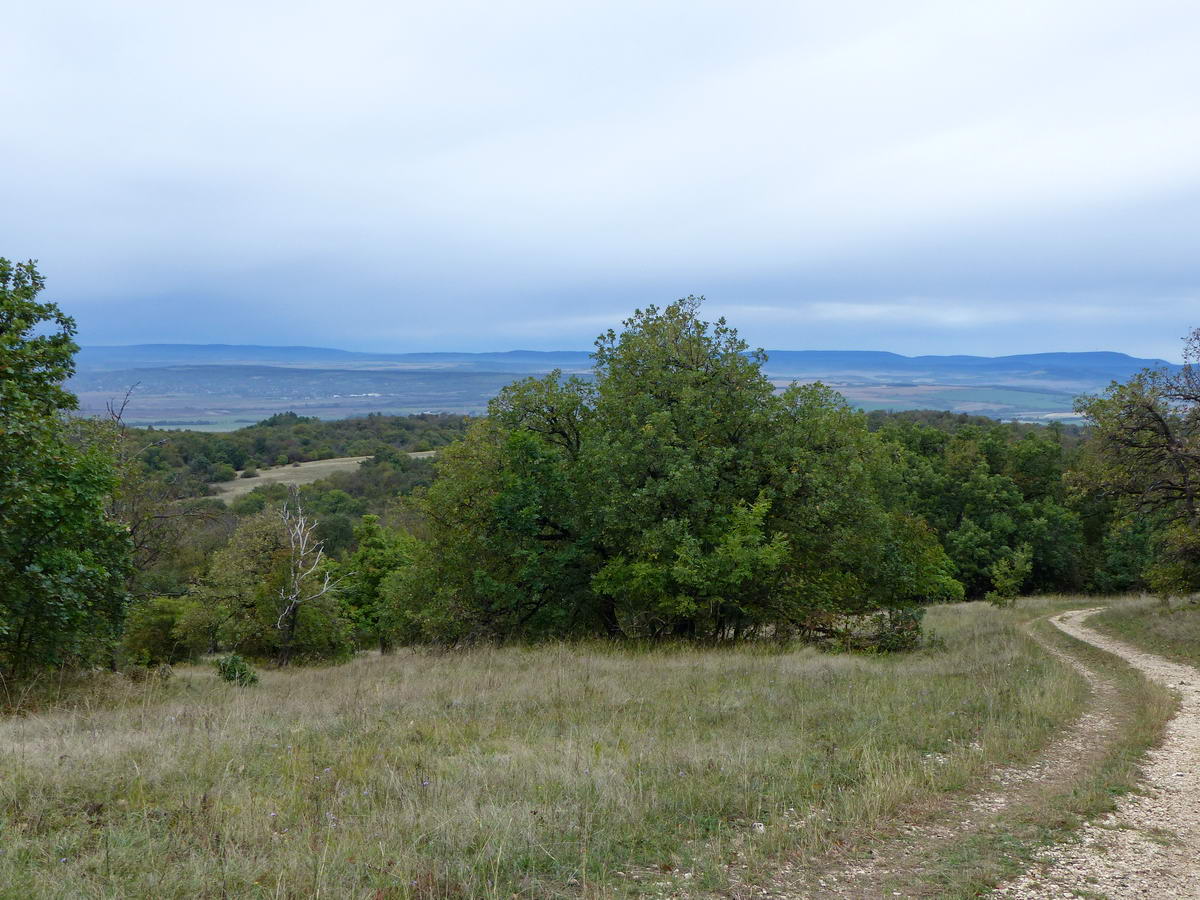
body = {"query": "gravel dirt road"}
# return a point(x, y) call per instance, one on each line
point(1149, 847)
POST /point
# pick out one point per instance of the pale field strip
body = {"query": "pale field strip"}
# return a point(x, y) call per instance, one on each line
point(304, 473)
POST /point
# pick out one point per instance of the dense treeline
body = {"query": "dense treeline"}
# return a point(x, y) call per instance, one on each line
point(1068, 434)
point(676, 494)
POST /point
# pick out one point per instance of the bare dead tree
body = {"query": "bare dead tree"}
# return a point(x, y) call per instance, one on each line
point(304, 580)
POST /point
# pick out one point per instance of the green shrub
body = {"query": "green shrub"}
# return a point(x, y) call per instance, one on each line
point(236, 670)
point(245, 605)
point(249, 504)
point(897, 630)
point(197, 627)
point(250, 472)
point(223, 472)
point(1009, 574)
point(152, 635)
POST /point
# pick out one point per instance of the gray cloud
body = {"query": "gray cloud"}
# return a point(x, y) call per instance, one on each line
point(931, 177)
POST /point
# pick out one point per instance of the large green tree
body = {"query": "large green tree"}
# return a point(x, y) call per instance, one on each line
point(63, 561)
point(1145, 458)
point(675, 493)
point(269, 593)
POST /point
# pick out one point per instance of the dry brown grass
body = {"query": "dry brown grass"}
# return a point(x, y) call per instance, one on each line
point(557, 771)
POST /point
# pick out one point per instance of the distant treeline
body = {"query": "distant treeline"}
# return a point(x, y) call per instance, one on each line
point(1068, 434)
point(200, 457)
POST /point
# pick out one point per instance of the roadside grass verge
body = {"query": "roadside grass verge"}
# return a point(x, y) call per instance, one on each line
point(1149, 624)
point(572, 770)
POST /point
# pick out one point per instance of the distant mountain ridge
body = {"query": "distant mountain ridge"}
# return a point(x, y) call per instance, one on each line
point(1068, 370)
point(223, 386)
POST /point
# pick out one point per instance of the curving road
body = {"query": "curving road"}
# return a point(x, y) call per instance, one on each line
point(1149, 847)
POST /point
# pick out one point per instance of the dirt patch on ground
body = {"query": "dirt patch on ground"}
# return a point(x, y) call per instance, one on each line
point(1150, 845)
point(303, 473)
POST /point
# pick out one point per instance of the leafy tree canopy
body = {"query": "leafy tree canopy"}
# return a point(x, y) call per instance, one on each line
point(1145, 458)
point(63, 562)
point(677, 493)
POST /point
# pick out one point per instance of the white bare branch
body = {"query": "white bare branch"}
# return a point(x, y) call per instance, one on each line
point(306, 554)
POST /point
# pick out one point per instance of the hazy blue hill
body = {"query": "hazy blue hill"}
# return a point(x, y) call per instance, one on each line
point(154, 355)
point(221, 385)
point(1089, 366)
point(136, 356)
point(1095, 365)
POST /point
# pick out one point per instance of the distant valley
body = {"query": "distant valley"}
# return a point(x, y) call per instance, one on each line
point(222, 386)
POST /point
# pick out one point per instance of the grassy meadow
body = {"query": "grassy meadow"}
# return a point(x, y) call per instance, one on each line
point(554, 771)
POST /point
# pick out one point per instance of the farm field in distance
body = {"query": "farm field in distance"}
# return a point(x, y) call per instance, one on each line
point(296, 473)
point(565, 770)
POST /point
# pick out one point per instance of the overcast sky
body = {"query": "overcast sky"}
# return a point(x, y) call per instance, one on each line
point(943, 177)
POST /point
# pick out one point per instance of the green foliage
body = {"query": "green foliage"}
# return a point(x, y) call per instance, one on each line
point(676, 494)
point(986, 492)
point(245, 596)
point(249, 504)
point(381, 553)
point(153, 635)
point(1175, 569)
point(1145, 459)
point(898, 630)
point(250, 472)
point(1125, 555)
point(196, 458)
point(63, 561)
point(236, 670)
point(1009, 574)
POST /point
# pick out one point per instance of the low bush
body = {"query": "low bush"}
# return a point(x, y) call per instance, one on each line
point(236, 670)
point(223, 472)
